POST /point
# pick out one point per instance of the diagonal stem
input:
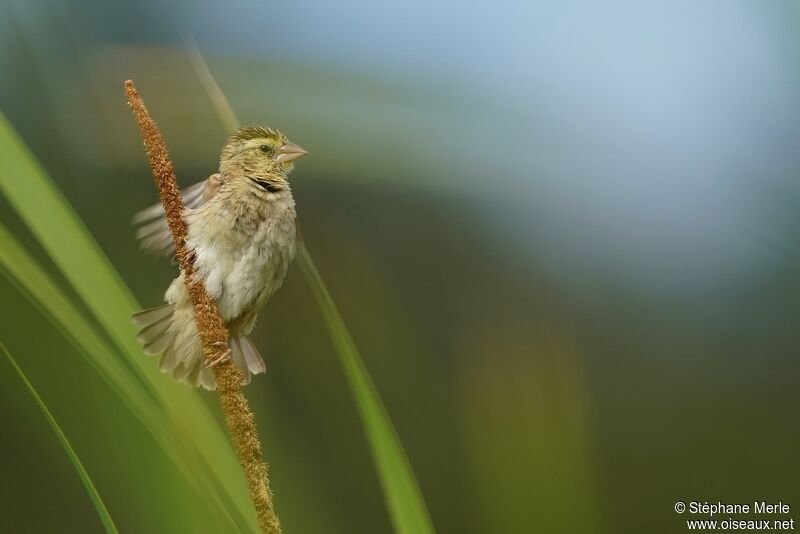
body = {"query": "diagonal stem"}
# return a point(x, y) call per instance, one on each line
point(212, 329)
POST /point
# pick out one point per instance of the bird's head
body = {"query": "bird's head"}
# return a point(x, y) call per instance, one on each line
point(259, 152)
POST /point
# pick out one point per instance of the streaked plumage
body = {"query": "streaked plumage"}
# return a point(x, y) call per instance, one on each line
point(242, 231)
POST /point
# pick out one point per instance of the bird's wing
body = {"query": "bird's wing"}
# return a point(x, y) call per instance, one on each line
point(152, 231)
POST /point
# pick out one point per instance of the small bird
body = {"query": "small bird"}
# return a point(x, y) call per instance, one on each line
point(241, 232)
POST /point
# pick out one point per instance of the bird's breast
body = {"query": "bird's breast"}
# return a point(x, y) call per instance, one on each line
point(242, 263)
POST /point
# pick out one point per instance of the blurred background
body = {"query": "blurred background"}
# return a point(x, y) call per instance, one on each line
point(564, 235)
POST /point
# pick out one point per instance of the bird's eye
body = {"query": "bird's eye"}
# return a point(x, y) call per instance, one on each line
point(266, 149)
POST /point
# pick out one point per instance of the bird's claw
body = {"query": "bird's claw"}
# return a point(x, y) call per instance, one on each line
point(191, 256)
point(222, 358)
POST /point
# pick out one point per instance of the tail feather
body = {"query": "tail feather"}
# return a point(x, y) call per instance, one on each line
point(202, 376)
point(238, 359)
point(168, 363)
point(181, 371)
point(246, 358)
point(255, 363)
point(159, 345)
point(156, 337)
point(153, 315)
point(152, 332)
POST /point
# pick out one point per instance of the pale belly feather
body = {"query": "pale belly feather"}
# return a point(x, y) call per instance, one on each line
point(241, 267)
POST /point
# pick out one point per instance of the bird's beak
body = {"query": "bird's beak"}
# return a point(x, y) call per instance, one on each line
point(290, 152)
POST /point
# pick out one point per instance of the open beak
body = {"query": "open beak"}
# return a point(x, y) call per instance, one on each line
point(290, 152)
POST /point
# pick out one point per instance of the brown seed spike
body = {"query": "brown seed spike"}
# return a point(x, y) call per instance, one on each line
point(212, 329)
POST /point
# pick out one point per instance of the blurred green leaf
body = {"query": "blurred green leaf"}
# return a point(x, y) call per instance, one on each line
point(29, 277)
point(97, 501)
point(403, 497)
point(405, 502)
point(177, 416)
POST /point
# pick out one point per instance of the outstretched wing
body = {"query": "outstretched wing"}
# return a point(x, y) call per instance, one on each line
point(153, 233)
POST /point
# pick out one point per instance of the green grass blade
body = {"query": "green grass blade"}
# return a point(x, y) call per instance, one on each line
point(97, 501)
point(406, 505)
point(69, 244)
point(404, 499)
point(32, 280)
point(29, 277)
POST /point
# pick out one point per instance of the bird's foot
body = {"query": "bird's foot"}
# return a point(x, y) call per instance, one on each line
point(222, 358)
point(191, 256)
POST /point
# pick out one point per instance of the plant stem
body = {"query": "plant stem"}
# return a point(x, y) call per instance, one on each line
point(212, 329)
